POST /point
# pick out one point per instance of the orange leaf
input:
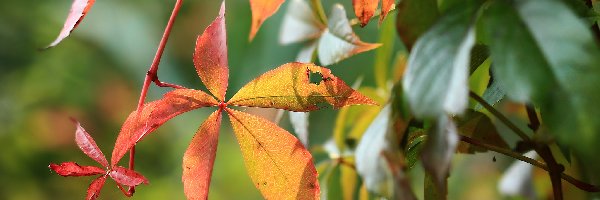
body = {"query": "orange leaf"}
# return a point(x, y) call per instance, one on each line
point(199, 158)
point(210, 56)
point(386, 6)
point(156, 113)
point(288, 87)
point(364, 10)
point(261, 10)
point(278, 164)
point(79, 9)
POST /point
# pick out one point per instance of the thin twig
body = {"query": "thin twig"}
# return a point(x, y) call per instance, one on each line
point(575, 182)
point(499, 115)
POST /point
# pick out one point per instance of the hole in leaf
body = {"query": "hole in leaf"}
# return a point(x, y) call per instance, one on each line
point(315, 77)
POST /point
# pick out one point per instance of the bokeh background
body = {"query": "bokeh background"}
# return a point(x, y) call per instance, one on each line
point(96, 74)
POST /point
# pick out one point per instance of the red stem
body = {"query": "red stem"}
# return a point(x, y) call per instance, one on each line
point(151, 75)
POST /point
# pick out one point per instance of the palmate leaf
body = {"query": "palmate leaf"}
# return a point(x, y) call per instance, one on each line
point(261, 10)
point(288, 87)
point(279, 165)
point(559, 72)
point(199, 158)
point(79, 9)
point(126, 176)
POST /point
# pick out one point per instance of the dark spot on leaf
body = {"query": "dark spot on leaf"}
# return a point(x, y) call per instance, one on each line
point(494, 159)
point(265, 183)
point(350, 142)
point(312, 185)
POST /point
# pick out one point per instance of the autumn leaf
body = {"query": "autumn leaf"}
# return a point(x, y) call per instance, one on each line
point(79, 8)
point(365, 9)
point(261, 10)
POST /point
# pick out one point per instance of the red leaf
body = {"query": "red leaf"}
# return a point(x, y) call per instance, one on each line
point(289, 87)
point(364, 10)
point(127, 177)
point(87, 144)
point(79, 9)
point(210, 56)
point(278, 164)
point(74, 169)
point(199, 158)
point(261, 10)
point(94, 190)
point(156, 113)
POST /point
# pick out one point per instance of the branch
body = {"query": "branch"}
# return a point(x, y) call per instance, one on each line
point(575, 182)
point(500, 116)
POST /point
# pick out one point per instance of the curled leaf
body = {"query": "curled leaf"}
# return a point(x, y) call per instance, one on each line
point(126, 176)
point(339, 42)
point(290, 87)
point(154, 114)
point(87, 144)
point(210, 56)
point(199, 158)
point(278, 164)
point(79, 9)
point(261, 10)
point(94, 190)
point(74, 169)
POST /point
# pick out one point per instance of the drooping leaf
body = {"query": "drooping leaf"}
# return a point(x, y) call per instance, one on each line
point(364, 10)
point(559, 72)
point(437, 153)
point(299, 23)
point(79, 9)
point(156, 113)
point(93, 190)
point(339, 42)
point(517, 179)
point(74, 169)
point(438, 67)
point(299, 122)
point(478, 126)
point(126, 176)
point(414, 18)
point(87, 144)
point(289, 87)
point(261, 10)
point(210, 56)
point(278, 164)
point(386, 7)
point(199, 158)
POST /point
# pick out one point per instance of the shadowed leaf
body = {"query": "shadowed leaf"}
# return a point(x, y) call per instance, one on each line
point(156, 113)
point(288, 87)
point(210, 56)
point(478, 126)
point(79, 9)
point(199, 158)
point(278, 164)
point(74, 169)
point(94, 190)
point(87, 144)
point(261, 10)
point(437, 153)
point(414, 18)
point(126, 176)
point(339, 42)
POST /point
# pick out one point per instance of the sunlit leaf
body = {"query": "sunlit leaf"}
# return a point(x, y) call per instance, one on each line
point(199, 158)
point(79, 9)
point(517, 179)
point(210, 56)
point(438, 67)
point(364, 10)
point(156, 113)
point(386, 7)
point(261, 10)
point(87, 144)
point(278, 164)
point(339, 42)
point(414, 18)
point(437, 154)
point(94, 190)
point(299, 122)
point(74, 169)
point(289, 87)
point(478, 126)
point(126, 176)
point(299, 23)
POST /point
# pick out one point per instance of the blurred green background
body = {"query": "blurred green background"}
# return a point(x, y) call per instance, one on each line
point(96, 74)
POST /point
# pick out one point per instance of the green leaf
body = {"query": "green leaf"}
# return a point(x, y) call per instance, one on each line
point(414, 146)
point(478, 126)
point(332, 188)
point(383, 55)
point(438, 67)
point(414, 18)
point(494, 92)
point(545, 54)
